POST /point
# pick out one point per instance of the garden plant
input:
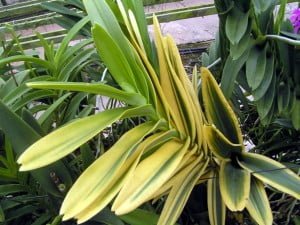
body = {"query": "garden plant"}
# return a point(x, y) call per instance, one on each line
point(184, 130)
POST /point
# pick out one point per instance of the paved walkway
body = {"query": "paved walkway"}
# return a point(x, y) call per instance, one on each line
point(184, 31)
point(191, 30)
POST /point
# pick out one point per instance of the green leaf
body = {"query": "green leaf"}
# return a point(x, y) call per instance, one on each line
point(215, 204)
point(296, 115)
point(65, 42)
point(101, 14)
point(261, 6)
point(63, 141)
point(20, 91)
point(8, 189)
point(59, 8)
point(219, 144)
point(87, 155)
point(238, 49)
point(218, 110)
point(94, 88)
point(271, 172)
point(43, 219)
point(19, 58)
point(32, 122)
point(236, 25)
point(12, 83)
point(230, 72)
point(264, 105)
point(73, 63)
point(114, 58)
point(71, 51)
point(234, 185)
point(30, 97)
point(52, 108)
point(283, 97)
point(258, 204)
point(261, 90)
point(140, 217)
point(73, 106)
point(2, 215)
point(280, 16)
point(256, 66)
point(107, 217)
point(21, 136)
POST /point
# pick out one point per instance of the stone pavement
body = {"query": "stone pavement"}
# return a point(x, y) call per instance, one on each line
point(183, 31)
point(191, 30)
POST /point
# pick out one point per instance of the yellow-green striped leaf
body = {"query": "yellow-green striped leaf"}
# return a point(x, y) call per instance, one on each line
point(271, 172)
point(150, 175)
point(215, 204)
point(66, 139)
point(234, 185)
point(102, 180)
point(106, 195)
point(219, 144)
point(218, 110)
point(258, 204)
point(180, 192)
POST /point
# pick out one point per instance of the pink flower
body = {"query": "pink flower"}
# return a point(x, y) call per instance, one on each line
point(295, 19)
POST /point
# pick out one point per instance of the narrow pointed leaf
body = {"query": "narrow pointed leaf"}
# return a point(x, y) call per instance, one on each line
point(110, 190)
point(66, 139)
point(22, 136)
point(93, 88)
point(52, 108)
point(105, 173)
point(180, 193)
point(114, 58)
point(215, 204)
point(271, 172)
point(150, 175)
point(71, 34)
point(20, 58)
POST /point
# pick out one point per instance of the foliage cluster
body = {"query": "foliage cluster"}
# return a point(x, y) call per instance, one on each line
point(162, 134)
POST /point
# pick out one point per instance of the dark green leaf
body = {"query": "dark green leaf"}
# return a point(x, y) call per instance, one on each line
point(22, 136)
point(256, 66)
point(236, 25)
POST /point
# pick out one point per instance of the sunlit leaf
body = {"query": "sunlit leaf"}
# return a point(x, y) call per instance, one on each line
point(66, 139)
point(271, 172)
point(234, 185)
point(258, 204)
